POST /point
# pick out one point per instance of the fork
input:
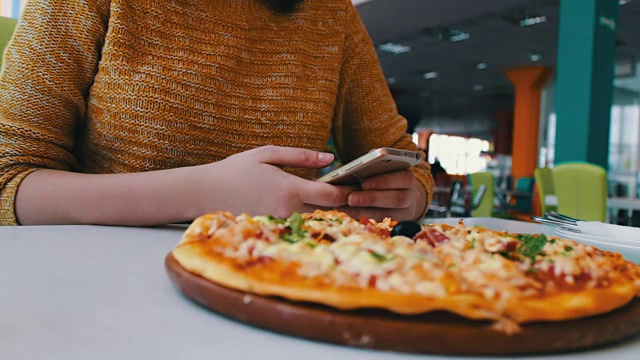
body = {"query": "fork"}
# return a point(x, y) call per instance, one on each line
point(556, 219)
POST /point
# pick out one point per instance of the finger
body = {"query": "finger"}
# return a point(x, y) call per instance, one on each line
point(390, 199)
point(293, 157)
point(322, 194)
point(395, 180)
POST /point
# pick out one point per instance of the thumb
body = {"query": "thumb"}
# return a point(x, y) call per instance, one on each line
point(293, 157)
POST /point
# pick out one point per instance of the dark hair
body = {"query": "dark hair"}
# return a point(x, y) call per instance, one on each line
point(282, 6)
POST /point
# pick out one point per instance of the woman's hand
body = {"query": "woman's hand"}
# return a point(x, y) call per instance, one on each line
point(253, 182)
point(397, 195)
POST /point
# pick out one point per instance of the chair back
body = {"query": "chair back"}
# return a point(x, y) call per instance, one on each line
point(458, 200)
point(581, 189)
point(544, 180)
point(522, 198)
point(483, 189)
point(7, 26)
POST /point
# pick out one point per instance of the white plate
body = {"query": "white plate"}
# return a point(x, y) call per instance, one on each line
point(629, 252)
point(599, 237)
point(619, 232)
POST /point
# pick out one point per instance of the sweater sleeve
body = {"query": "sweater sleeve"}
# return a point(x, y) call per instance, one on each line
point(48, 69)
point(366, 116)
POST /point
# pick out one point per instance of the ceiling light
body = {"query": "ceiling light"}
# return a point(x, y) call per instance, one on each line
point(394, 48)
point(430, 75)
point(525, 18)
point(391, 80)
point(478, 87)
point(532, 20)
point(447, 34)
point(481, 66)
point(623, 2)
point(535, 57)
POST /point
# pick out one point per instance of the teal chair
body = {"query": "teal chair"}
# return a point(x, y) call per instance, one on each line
point(544, 180)
point(581, 189)
point(483, 192)
point(7, 26)
point(521, 198)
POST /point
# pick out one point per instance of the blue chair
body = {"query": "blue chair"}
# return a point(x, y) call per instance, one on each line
point(523, 191)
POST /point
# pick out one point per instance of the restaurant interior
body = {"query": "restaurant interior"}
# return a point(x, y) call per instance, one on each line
point(494, 91)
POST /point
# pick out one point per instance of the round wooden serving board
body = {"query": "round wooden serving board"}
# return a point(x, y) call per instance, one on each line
point(433, 333)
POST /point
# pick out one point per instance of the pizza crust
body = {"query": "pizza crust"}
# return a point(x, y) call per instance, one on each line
point(563, 306)
point(222, 272)
point(276, 278)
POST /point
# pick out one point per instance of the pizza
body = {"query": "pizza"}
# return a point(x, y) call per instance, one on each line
point(329, 258)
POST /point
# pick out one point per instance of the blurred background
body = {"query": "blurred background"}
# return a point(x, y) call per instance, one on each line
point(480, 81)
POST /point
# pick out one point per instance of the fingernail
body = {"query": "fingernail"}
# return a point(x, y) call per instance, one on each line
point(353, 200)
point(324, 157)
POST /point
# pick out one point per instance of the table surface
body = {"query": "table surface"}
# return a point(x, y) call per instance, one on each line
point(94, 292)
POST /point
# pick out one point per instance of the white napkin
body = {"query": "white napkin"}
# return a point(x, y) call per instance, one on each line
point(609, 230)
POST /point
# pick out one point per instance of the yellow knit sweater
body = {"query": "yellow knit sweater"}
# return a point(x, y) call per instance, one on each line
point(109, 86)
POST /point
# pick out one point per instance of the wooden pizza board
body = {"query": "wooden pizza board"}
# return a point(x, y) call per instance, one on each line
point(433, 333)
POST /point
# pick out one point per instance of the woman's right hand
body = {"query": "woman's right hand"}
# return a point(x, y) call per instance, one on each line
point(253, 182)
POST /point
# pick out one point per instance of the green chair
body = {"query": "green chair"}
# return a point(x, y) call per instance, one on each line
point(7, 26)
point(581, 189)
point(483, 192)
point(544, 180)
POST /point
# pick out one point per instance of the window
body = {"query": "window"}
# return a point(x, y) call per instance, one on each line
point(12, 8)
point(458, 155)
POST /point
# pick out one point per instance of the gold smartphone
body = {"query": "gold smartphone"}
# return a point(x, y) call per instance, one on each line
point(375, 162)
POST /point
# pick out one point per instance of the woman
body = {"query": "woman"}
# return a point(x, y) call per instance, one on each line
point(143, 112)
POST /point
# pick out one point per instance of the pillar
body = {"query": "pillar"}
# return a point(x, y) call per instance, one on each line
point(584, 89)
point(528, 83)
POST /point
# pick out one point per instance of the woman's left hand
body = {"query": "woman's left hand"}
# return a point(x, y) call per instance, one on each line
point(397, 195)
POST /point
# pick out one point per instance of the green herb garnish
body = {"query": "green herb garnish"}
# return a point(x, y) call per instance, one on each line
point(478, 226)
point(568, 248)
point(380, 257)
point(473, 243)
point(316, 219)
point(531, 246)
point(297, 232)
point(339, 221)
point(276, 220)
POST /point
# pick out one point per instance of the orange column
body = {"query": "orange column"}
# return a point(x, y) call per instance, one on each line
point(528, 83)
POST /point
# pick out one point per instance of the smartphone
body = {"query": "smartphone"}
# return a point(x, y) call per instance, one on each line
point(375, 162)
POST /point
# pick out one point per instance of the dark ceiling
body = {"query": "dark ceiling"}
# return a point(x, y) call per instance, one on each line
point(460, 88)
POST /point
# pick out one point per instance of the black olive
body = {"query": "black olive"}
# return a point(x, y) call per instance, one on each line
point(406, 228)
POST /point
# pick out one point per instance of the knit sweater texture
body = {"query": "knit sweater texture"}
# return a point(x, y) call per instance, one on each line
point(115, 86)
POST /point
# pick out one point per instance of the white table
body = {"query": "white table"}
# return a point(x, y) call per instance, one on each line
point(91, 292)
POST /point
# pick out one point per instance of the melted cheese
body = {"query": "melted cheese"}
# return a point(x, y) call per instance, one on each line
point(352, 254)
